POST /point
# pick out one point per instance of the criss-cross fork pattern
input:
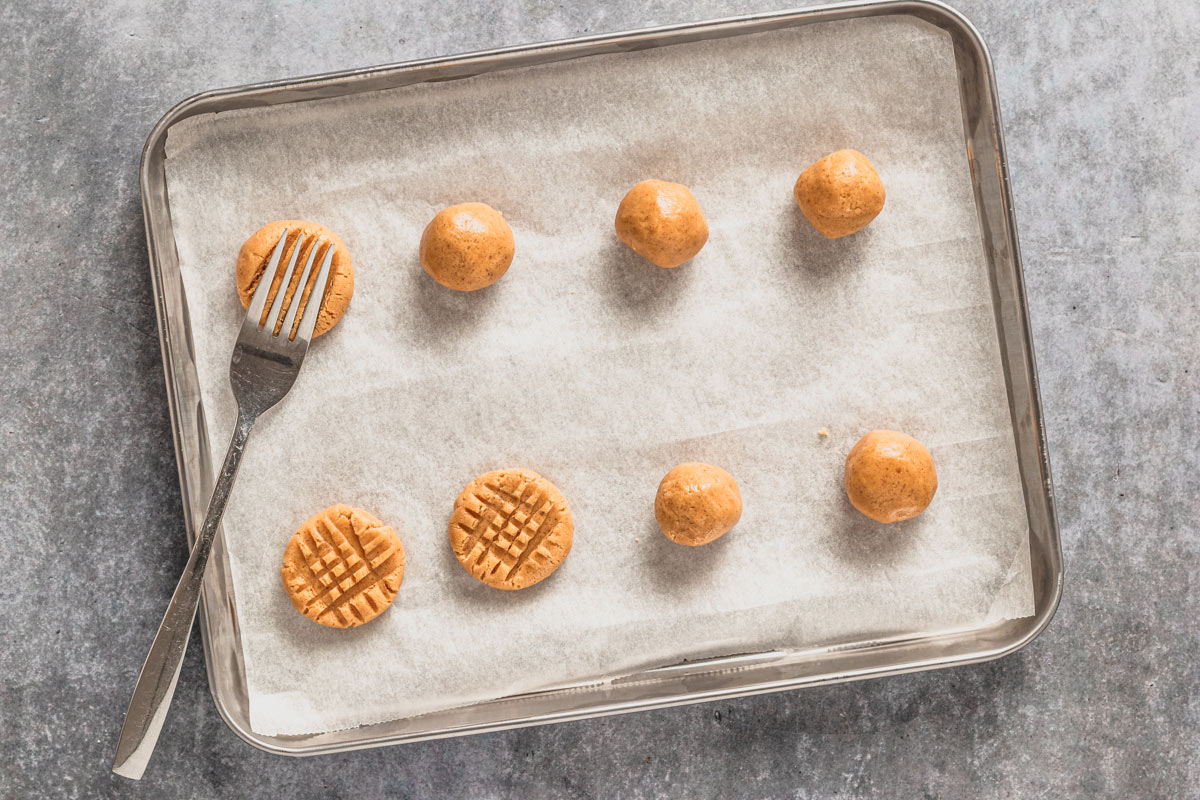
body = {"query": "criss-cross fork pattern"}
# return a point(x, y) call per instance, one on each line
point(344, 578)
point(510, 528)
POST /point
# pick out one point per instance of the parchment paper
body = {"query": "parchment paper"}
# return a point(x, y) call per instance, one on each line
point(601, 371)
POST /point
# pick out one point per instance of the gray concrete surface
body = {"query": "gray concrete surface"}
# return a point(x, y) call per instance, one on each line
point(1102, 116)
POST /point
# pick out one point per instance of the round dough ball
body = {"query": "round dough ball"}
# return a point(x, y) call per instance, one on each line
point(511, 528)
point(697, 503)
point(662, 222)
point(467, 246)
point(256, 252)
point(840, 194)
point(890, 476)
point(343, 567)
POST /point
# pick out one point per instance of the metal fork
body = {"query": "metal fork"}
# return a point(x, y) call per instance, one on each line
point(264, 367)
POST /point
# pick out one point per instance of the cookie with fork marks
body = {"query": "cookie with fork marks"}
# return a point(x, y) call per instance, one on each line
point(511, 528)
point(343, 567)
point(255, 254)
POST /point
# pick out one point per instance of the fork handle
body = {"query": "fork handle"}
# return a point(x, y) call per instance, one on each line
point(156, 684)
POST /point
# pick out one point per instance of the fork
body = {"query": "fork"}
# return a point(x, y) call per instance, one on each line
point(266, 360)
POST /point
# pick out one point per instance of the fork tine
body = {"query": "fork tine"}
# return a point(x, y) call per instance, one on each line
point(308, 322)
point(277, 303)
point(290, 318)
point(264, 282)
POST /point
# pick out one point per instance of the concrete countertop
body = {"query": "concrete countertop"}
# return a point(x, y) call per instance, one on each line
point(1102, 118)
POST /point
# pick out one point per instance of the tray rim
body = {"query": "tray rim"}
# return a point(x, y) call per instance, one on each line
point(152, 183)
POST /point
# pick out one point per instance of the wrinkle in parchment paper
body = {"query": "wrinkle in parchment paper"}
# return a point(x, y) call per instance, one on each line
point(601, 371)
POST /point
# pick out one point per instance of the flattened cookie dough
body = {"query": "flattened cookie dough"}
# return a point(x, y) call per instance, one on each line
point(511, 528)
point(343, 567)
point(890, 476)
point(256, 252)
point(840, 194)
point(467, 247)
point(697, 503)
point(662, 222)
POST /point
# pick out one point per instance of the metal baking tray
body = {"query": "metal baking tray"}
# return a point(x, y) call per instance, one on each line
point(983, 155)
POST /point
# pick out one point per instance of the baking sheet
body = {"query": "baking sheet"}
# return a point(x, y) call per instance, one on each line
point(601, 371)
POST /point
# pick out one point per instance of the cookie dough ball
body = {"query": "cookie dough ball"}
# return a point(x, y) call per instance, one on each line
point(256, 252)
point(890, 476)
point(840, 194)
point(662, 222)
point(467, 247)
point(697, 503)
point(511, 528)
point(343, 567)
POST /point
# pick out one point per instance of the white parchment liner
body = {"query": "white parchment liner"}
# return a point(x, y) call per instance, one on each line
point(602, 371)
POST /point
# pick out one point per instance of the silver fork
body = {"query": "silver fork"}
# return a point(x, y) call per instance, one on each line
point(263, 369)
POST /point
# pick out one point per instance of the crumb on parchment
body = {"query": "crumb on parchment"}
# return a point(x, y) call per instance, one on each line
point(823, 432)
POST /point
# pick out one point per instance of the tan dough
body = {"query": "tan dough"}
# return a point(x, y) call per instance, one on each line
point(343, 567)
point(467, 247)
point(840, 194)
point(511, 528)
point(697, 503)
point(662, 222)
point(890, 476)
point(256, 252)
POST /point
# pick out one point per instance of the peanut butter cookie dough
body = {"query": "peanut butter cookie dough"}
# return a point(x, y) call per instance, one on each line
point(256, 252)
point(890, 476)
point(840, 194)
point(511, 528)
point(697, 503)
point(343, 567)
point(467, 247)
point(662, 222)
